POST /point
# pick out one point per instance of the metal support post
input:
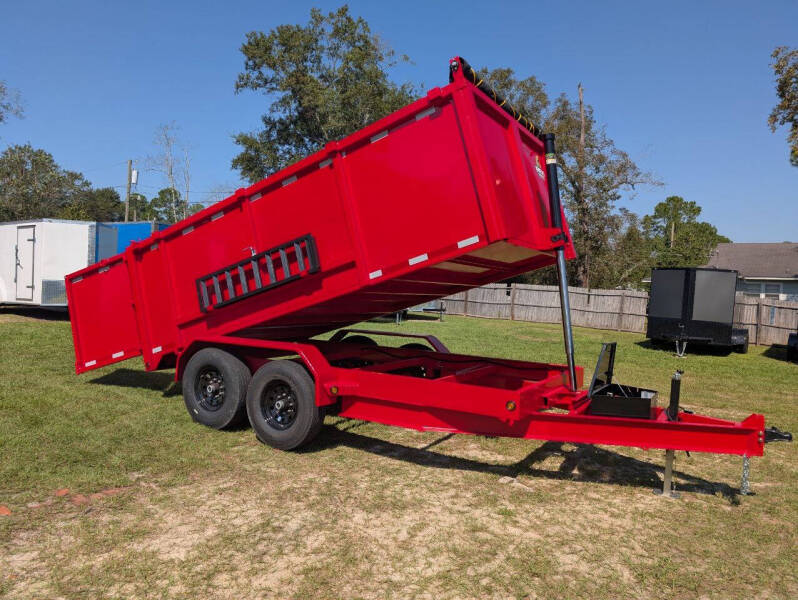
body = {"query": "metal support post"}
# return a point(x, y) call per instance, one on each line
point(745, 485)
point(673, 406)
point(555, 208)
point(667, 490)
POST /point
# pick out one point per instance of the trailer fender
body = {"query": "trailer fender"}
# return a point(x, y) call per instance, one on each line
point(255, 353)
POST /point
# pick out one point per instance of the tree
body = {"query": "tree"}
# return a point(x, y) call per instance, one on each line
point(10, 103)
point(140, 208)
point(677, 238)
point(594, 172)
point(33, 186)
point(173, 161)
point(94, 205)
point(162, 206)
point(327, 79)
point(785, 67)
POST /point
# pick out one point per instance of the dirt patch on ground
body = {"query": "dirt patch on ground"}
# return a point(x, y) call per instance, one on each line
point(466, 518)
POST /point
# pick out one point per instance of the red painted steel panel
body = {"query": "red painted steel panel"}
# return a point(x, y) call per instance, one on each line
point(156, 303)
point(413, 192)
point(104, 327)
point(494, 127)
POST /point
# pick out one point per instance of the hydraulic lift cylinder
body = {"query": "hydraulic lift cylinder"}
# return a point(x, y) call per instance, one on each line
point(562, 277)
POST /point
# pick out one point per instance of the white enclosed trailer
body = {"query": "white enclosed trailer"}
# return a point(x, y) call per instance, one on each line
point(36, 255)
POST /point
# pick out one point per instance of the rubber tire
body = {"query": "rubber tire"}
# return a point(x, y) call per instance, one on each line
point(741, 348)
point(416, 346)
point(236, 378)
point(362, 340)
point(309, 417)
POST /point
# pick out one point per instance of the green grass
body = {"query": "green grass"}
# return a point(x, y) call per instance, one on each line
point(368, 511)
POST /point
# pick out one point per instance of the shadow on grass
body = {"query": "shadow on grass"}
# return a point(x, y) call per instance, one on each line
point(413, 316)
point(777, 351)
point(154, 380)
point(32, 312)
point(580, 462)
point(692, 348)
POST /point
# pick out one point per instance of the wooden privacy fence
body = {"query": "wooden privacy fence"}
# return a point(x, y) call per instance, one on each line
point(768, 321)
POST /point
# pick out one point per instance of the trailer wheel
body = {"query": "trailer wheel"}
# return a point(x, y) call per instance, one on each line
point(281, 405)
point(359, 339)
point(215, 388)
point(416, 346)
point(742, 348)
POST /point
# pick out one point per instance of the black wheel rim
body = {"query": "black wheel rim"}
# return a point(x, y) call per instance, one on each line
point(279, 405)
point(209, 388)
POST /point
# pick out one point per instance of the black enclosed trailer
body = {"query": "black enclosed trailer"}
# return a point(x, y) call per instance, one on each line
point(694, 305)
point(792, 347)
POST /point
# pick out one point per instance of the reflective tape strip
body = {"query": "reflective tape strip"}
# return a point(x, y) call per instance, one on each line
point(188, 230)
point(218, 215)
point(417, 259)
point(375, 274)
point(325, 163)
point(91, 363)
point(425, 113)
point(468, 241)
point(156, 350)
point(289, 180)
point(118, 354)
point(257, 196)
point(379, 136)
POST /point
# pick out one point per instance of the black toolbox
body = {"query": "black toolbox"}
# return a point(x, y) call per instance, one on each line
point(610, 399)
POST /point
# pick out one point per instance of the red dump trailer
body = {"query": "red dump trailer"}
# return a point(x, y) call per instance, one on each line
point(233, 296)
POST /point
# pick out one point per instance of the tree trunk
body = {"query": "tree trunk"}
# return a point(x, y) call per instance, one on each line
point(584, 275)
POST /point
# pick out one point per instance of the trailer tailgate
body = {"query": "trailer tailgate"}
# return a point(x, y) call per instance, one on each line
point(103, 316)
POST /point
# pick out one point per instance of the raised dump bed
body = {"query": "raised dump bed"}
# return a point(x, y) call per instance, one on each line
point(447, 194)
point(332, 241)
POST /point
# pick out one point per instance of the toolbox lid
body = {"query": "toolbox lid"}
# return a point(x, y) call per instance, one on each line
point(605, 365)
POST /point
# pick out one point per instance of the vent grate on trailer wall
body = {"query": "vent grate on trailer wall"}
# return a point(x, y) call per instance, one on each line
point(54, 292)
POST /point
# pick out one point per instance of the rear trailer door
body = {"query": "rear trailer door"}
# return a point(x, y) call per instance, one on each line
point(23, 274)
point(103, 318)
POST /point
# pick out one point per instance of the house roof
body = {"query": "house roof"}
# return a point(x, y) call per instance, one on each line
point(758, 260)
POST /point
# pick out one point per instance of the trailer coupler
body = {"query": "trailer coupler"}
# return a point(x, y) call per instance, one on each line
point(774, 434)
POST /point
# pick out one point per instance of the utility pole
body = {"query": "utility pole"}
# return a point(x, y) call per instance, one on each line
point(127, 192)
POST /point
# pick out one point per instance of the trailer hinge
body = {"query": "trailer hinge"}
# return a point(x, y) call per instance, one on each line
point(559, 237)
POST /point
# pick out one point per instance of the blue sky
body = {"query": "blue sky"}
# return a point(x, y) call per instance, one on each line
point(684, 87)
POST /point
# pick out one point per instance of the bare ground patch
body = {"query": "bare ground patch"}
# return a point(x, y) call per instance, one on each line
point(397, 514)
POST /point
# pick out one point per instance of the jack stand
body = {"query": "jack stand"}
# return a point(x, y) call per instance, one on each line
point(745, 486)
point(667, 490)
point(681, 348)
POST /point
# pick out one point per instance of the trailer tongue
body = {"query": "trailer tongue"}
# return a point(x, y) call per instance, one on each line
point(452, 192)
